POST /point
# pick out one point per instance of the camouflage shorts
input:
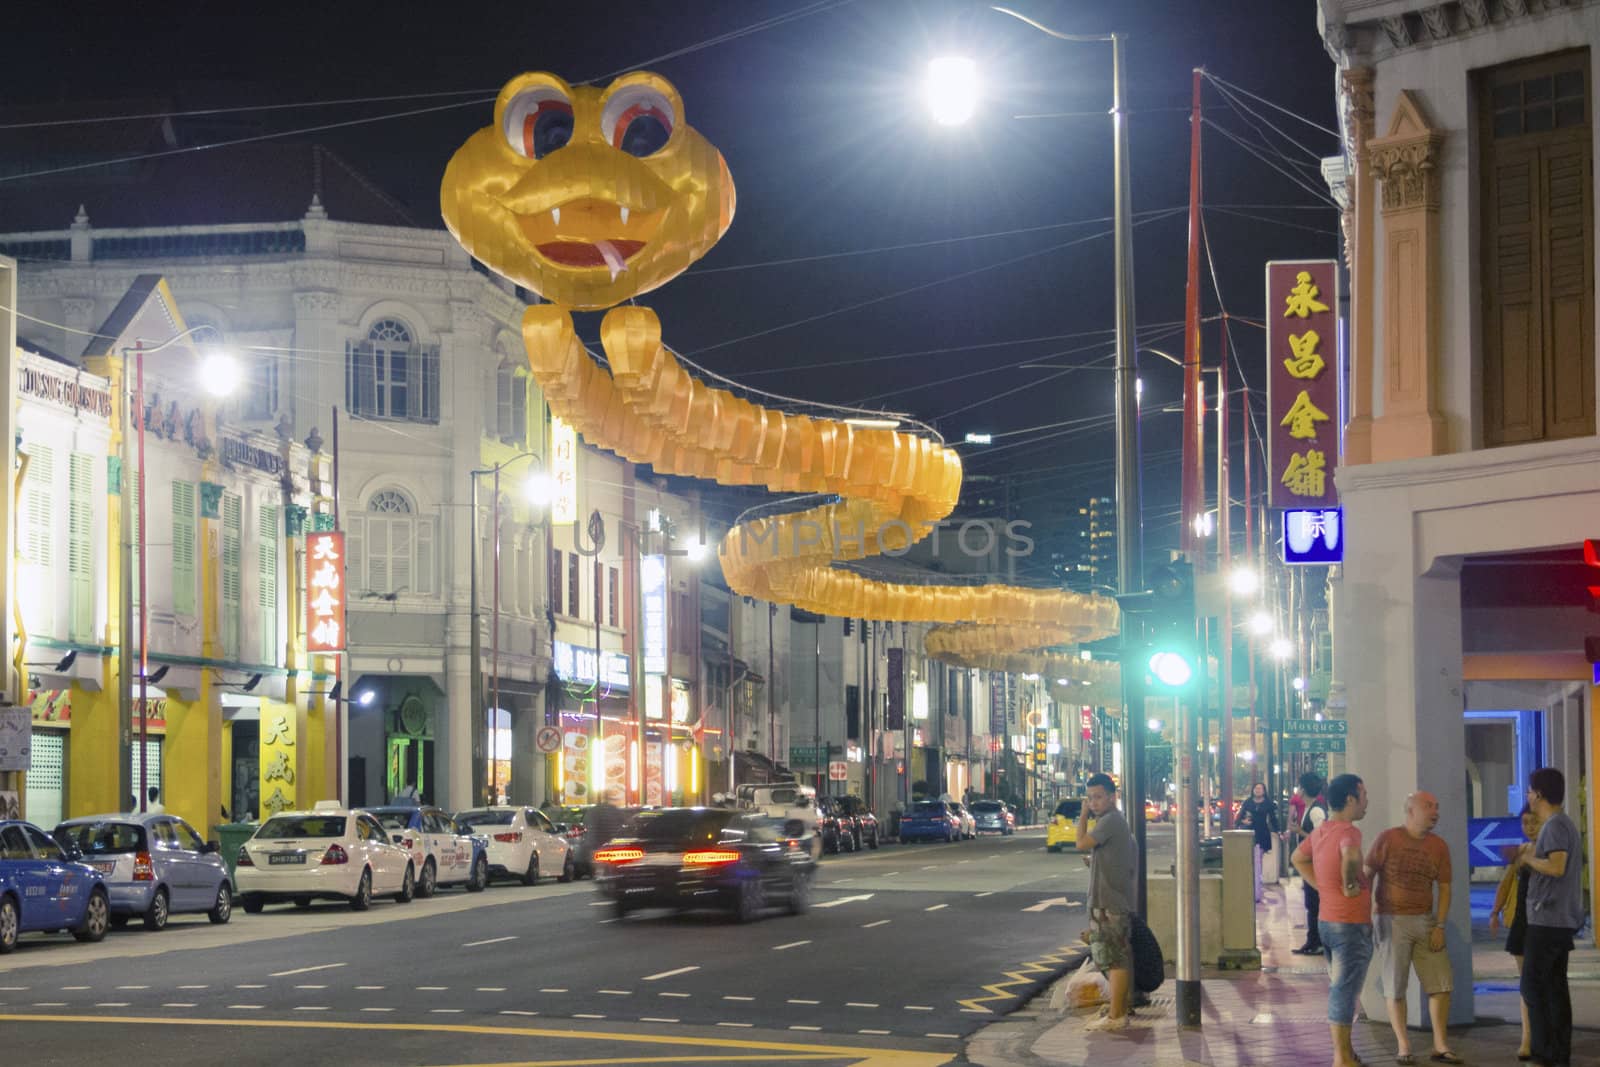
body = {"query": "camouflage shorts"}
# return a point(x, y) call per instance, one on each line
point(1111, 941)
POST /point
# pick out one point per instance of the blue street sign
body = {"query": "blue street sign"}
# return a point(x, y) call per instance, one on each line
point(1486, 837)
point(1313, 535)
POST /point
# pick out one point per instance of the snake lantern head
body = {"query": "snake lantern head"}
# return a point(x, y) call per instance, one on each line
point(586, 195)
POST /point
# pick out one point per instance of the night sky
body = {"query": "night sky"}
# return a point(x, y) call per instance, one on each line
point(821, 122)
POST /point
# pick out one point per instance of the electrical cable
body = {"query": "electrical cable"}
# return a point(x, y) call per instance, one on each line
point(90, 120)
point(1277, 107)
point(1236, 139)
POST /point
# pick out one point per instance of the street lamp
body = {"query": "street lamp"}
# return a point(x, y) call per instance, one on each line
point(538, 490)
point(951, 88)
point(1261, 624)
point(219, 376)
point(1281, 648)
point(1244, 581)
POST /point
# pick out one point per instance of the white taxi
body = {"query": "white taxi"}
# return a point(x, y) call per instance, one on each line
point(440, 853)
point(329, 852)
point(523, 843)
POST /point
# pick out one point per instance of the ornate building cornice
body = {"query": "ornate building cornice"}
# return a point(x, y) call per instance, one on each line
point(1406, 159)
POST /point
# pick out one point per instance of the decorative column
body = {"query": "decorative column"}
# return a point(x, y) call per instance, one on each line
point(1406, 162)
point(1358, 245)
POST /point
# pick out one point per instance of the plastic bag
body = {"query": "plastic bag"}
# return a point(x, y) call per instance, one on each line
point(1087, 987)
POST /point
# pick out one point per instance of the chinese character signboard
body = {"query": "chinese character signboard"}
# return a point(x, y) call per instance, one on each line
point(325, 592)
point(576, 664)
point(1303, 382)
point(895, 700)
point(1313, 535)
point(1041, 747)
point(278, 791)
point(563, 472)
point(997, 704)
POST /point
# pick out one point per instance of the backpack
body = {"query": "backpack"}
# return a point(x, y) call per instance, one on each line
point(1149, 968)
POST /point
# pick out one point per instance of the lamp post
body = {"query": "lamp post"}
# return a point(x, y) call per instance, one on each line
point(538, 491)
point(219, 375)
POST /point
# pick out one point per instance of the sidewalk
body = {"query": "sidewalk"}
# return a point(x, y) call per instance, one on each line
point(1278, 1015)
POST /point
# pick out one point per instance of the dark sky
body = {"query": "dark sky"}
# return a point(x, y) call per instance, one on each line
point(822, 125)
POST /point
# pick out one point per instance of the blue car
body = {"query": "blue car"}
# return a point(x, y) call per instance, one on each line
point(41, 889)
point(929, 820)
point(442, 852)
point(154, 864)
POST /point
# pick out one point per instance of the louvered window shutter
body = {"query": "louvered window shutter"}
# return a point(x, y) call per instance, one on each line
point(267, 582)
point(428, 380)
point(355, 570)
point(1568, 233)
point(400, 548)
point(80, 546)
point(377, 546)
point(41, 488)
point(183, 537)
point(232, 563)
point(362, 386)
point(503, 381)
point(426, 558)
point(519, 409)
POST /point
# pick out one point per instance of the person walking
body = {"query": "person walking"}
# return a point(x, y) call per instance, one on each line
point(1111, 874)
point(1512, 895)
point(1555, 913)
point(1260, 815)
point(1313, 811)
point(1408, 861)
point(1330, 861)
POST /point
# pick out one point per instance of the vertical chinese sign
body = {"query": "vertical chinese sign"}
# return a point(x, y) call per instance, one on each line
point(325, 607)
point(563, 472)
point(278, 791)
point(1303, 382)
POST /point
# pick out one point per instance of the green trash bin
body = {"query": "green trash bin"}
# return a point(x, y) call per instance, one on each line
point(230, 835)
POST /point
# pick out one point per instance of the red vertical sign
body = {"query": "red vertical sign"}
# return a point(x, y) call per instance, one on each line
point(325, 592)
point(1303, 382)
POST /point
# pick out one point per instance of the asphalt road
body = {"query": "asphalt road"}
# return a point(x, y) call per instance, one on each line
point(906, 951)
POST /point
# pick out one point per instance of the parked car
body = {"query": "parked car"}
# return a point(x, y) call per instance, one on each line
point(154, 866)
point(929, 820)
point(523, 843)
point(572, 822)
point(1152, 811)
point(721, 858)
point(326, 853)
point(43, 888)
point(866, 821)
point(993, 817)
point(441, 853)
point(968, 825)
point(838, 827)
point(1062, 831)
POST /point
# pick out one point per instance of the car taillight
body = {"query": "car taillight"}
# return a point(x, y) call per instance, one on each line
point(711, 857)
point(143, 870)
point(334, 855)
point(244, 859)
point(511, 838)
point(405, 843)
point(618, 855)
point(574, 833)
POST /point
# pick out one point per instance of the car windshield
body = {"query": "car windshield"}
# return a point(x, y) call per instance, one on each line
point(1069, 809)
point(486, 818)
point(393, 820)
point(285, 827)
point(684, 825)
point(102, 838)
point(989, 806)
point(928, 807)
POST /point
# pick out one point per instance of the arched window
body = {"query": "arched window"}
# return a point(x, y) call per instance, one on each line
point(391, 548)
point(511, 402)
point(391, 376)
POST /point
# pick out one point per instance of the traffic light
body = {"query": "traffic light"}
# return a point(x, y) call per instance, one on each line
point(1170, 629)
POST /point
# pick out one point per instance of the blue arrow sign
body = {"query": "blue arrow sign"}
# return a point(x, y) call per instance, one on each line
point(1486, 837)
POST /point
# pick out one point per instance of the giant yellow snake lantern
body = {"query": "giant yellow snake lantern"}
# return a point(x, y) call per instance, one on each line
point(591, 196)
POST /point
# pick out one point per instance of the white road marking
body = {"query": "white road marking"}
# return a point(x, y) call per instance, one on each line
point(199, 987)
point(616, 992)
point(377, 1009)
point(674, 994)
point(603, 922)
point(813, 1029)
point(858, 1004)
point(305, 970)
point(599, 903)
point(514, 1011)
point(880, 1032)
point(669, 974)
point(74, 988)
point(730, 997)
point(445, 1011)
point(931, 867)
point(244, 1007)
point(891, 874)
point(249, 987)
point(977, 1011)
point(742, 1026)
point(932, 1034)
point(1053, 902)
point(358, 987)
point(490, 941)
point(311, 987)
point(581, 1016)
point(432, 988)
point(936, 907)
point(805, 1002)
point(965, 861)
point(655, 1019)
point(791, 944)
point(842, 900)
point(880, 922)
point(14, 988)
point(59, 1004)
point(147, 987)
point(552, 990)
point(179, 1004)
point(990, 893)
point(918, 1007)
point(311, 1007)
point(491, 989)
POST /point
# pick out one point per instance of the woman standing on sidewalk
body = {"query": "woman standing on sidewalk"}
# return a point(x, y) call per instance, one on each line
point(1259, 814)
point(1513, 893)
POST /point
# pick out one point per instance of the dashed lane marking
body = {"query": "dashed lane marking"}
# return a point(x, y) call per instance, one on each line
point(249, 987)
point(311, 1007)
point(179, 1004)
point(306, 970)
point(581, 1015)
point(791, 944)
point(931, 867)
point(990, 893)
point(936, 907)
point(918, 1007)
point(57, 1004)
point(797, 1001)
point(599, 903)
point(208, 987)
point(369, 988)
point(669, 974)
point(489, 941)
point(311, 987)
point(74, 988)
point(515, 1011)
point(432, 988)
point(377, 1009)
point(858, 1004)
point(142, 987)
point(491, 989)
point(615, 992)
point(244, 1007)
point(732, 997)
point(14, 988)
point(553, 989)
point(445, 1011)
point(932, 1034)
point(674, 994)
point(880, 922)
point(878, 1032)
point(741, 1026)
point(809, 1029)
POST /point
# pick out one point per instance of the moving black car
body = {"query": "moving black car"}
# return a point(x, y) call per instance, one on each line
point(687, 858)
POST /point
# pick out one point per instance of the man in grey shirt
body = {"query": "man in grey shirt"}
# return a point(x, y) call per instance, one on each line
point(1110, 847)
point(1555, 914)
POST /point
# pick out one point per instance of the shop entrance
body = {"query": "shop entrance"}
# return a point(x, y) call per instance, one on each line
point(245, 802)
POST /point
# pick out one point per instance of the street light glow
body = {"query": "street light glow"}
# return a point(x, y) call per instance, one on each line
point(219, 373)
point(540, 489)
point(365, 697)
point(1261, 624)
point(1299, 684)
point(1244, 581)
point(1281, 648)
point(1248, 755)
point(1154, 724)
point(1205, 524)
point(951, 89)
point(1171, 669)
point(697, 551)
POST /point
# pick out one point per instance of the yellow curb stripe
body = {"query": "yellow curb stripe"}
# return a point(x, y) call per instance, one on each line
point(866, 1057)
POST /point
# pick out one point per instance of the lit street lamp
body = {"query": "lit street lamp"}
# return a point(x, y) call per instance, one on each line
point(219, 376)
point(1281, 648)
point(1244, 581)
point(1261, 624)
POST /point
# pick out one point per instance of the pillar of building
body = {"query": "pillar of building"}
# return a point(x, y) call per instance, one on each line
point(1358, 240)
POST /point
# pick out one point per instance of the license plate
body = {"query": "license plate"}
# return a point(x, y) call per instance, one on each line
point(104, 868)
point(285, 857)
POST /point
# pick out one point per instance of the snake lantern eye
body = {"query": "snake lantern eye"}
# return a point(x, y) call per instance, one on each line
point(538, 121)
point(637, 119)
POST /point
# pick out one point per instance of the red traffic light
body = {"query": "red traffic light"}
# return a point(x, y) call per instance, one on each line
point(1591, 556)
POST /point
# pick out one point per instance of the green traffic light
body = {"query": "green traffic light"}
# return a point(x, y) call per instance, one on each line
point(1171, 669)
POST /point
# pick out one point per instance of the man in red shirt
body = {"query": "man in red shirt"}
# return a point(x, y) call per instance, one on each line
point(1408, 861)
point(1330, 862)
